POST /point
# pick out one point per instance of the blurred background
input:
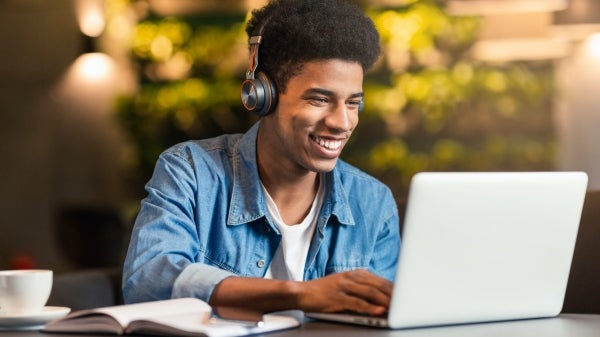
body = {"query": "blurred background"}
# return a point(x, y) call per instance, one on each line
point(91, 92)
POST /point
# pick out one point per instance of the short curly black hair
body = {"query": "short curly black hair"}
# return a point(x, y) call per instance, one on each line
point(295, 32)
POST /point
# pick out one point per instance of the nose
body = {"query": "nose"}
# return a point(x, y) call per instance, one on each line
point(341, 118)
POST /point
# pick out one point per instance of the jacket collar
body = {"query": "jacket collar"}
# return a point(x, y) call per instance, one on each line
point(248, 200)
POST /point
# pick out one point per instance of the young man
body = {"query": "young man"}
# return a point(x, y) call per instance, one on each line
point(272, 219)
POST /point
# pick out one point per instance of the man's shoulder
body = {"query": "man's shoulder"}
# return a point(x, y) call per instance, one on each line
point(350, 172)
point(364, 193)
point(354, 178)
point(192, 148)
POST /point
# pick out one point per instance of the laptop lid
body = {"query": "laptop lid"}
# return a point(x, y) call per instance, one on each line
point(480, 247)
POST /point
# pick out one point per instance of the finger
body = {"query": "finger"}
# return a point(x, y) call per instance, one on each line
point(366, 278)
point(368, 293)
point(361, 306)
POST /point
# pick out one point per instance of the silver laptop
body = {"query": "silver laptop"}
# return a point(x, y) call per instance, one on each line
point(481, 247)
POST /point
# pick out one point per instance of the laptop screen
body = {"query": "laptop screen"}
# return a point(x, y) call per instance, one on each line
point(486, 246)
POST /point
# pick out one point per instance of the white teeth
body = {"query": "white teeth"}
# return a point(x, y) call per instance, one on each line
point(328, 144)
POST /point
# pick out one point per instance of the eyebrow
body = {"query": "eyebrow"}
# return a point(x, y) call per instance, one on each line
point(330, 93)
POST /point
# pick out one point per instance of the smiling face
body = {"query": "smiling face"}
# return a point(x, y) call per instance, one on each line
point(314, 118)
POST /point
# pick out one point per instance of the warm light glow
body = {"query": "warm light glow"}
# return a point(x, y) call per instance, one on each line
point(513, 26)
point(90, 16)
point(251, 4)
point(175, 68)
point(183, 7)
point(593, 46)
point(494, 7)
point(93, 66)
point(161, 48)
point(576, 32)
point(93, 81)
point(504, 50)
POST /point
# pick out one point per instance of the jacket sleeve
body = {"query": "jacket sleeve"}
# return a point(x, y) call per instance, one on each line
point(164, 241)
point(387, 246)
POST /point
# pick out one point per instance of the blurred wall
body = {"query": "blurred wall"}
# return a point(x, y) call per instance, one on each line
point(55, 150)
point(578, 109)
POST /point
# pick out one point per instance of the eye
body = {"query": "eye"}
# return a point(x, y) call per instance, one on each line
point(355, 103)
point(318, 100)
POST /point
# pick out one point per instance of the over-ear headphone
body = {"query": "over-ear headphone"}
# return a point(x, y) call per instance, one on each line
point(259, 94)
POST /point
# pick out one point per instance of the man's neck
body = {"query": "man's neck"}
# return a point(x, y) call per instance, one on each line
point(293, 197)
point(292, 190)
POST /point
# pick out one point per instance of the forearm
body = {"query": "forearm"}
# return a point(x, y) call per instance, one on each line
point(356, 290)
point(264, 295)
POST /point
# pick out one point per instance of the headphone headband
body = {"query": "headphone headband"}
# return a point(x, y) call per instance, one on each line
point(258, 91)
point(254, 43)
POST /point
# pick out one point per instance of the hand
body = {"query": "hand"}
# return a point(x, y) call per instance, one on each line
point(357, 290)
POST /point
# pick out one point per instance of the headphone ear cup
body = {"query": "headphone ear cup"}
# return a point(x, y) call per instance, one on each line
point(259, 95)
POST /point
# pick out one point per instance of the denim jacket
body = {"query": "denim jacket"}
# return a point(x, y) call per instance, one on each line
point(205, 219)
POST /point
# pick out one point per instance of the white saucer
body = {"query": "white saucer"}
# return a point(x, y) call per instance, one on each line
point(11, 321)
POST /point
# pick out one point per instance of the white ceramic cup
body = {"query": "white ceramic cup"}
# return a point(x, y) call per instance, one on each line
point(24, 291)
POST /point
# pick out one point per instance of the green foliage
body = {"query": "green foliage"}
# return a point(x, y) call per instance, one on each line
point(429, 106)
point(190, 75)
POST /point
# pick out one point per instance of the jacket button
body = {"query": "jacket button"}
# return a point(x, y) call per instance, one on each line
point(260, 263)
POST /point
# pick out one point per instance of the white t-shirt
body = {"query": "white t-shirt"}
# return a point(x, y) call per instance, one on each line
point(290, 257)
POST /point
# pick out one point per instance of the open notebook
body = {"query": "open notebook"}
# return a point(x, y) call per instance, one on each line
point(480, 247)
